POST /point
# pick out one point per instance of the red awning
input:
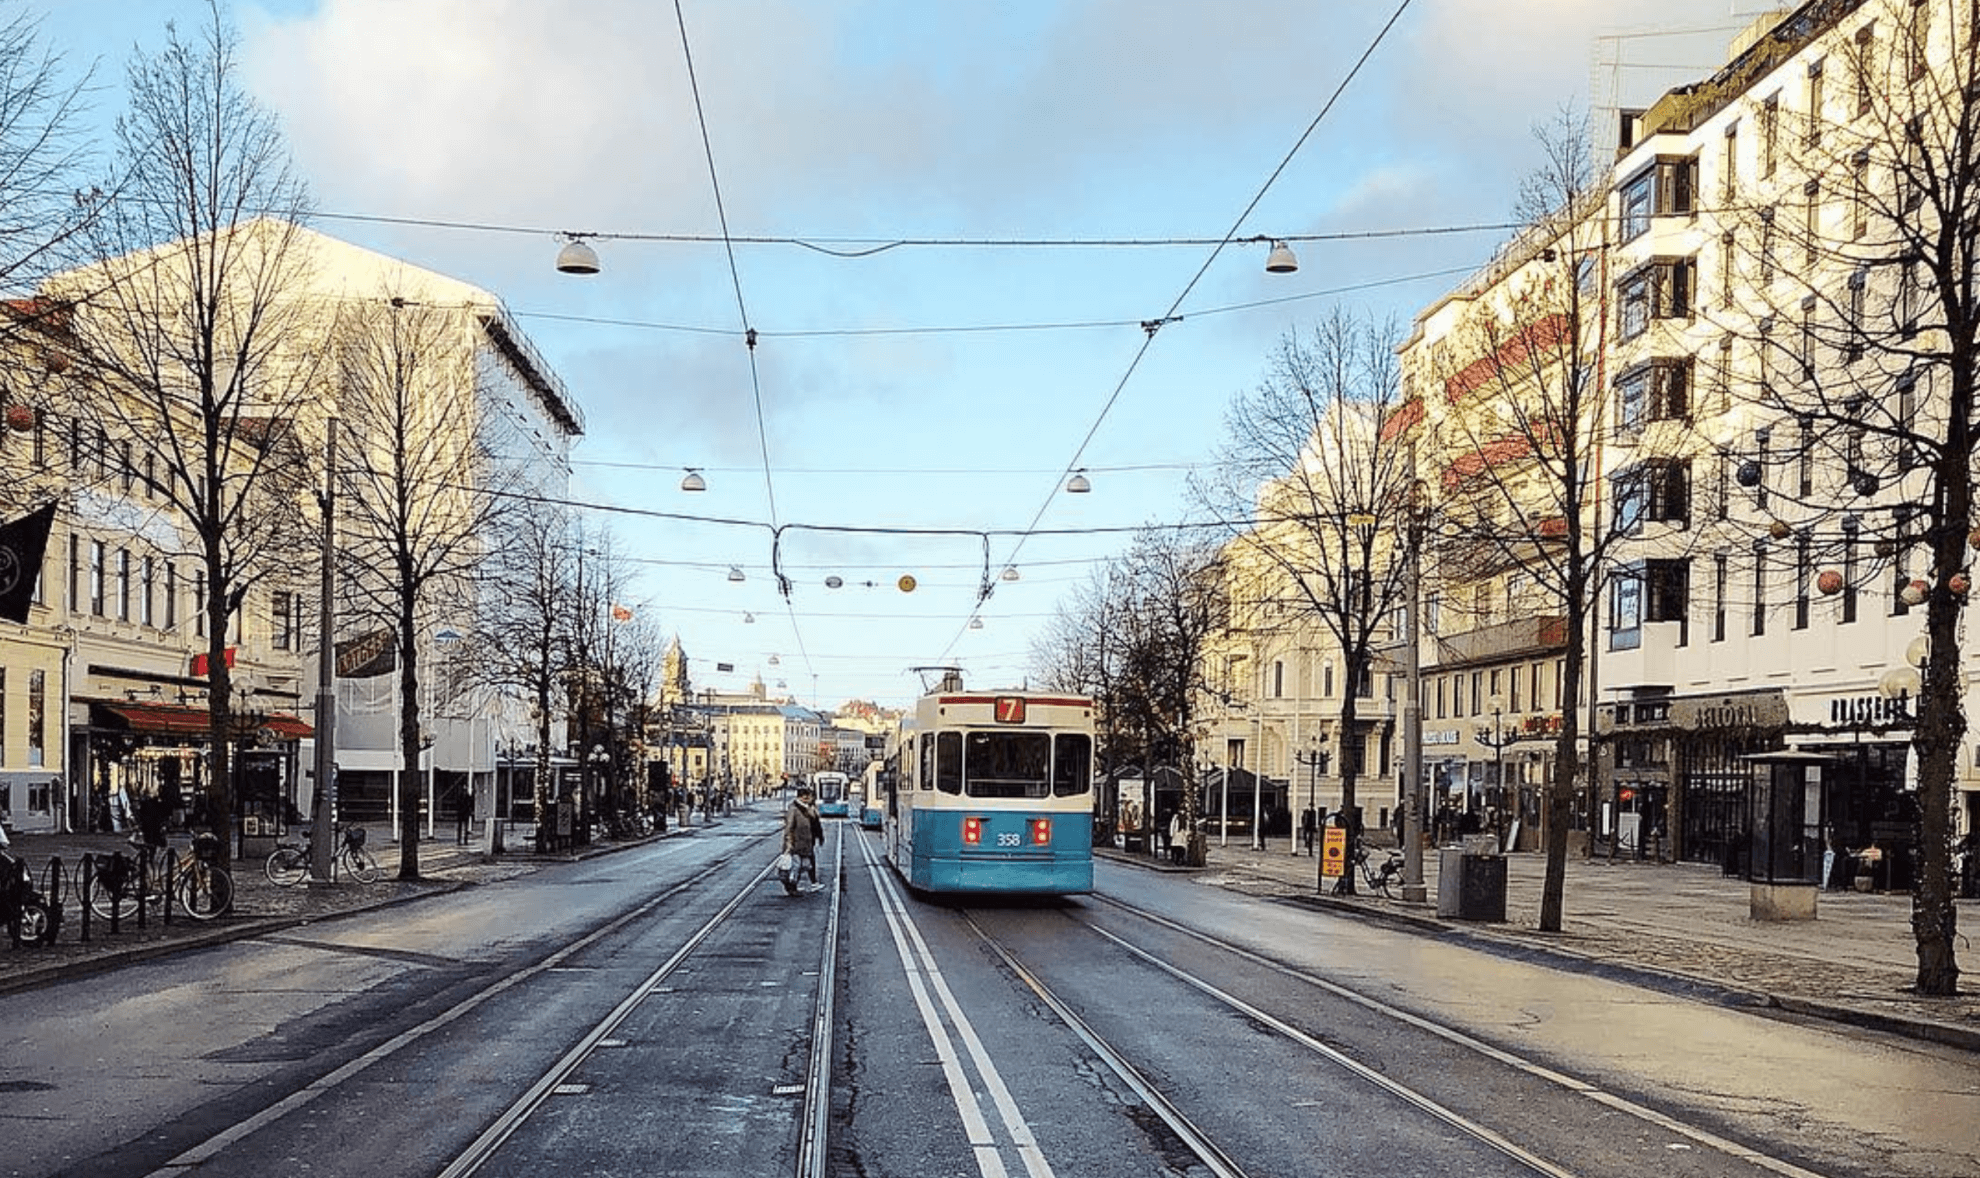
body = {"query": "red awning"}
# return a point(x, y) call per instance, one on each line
point(178, 720)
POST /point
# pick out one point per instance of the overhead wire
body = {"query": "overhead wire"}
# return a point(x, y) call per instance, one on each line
point(1152, 327)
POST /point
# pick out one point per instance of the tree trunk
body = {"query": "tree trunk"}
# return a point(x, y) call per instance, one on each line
point(410, 719)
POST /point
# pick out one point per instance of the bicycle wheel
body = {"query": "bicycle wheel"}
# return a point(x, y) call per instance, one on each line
point(34, 923)
point(359, 865)
point(204, 891)
point(287, 867)
point(124, 905)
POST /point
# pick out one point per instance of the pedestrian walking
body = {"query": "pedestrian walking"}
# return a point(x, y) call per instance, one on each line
point(463, 816)
point(1307, 823)
point(802, 834)
point(1179, 837)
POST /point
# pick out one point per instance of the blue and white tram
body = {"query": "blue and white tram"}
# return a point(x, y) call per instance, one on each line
point(992, 793)
point(830, 788)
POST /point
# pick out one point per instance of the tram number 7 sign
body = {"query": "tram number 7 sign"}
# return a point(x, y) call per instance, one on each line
point(1333, 851)
point(1010, 709)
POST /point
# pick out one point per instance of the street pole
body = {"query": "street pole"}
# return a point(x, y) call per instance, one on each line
point(1414, 890)
point(322, 842)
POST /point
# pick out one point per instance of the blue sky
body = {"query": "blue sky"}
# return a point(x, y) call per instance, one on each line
point(887, 399)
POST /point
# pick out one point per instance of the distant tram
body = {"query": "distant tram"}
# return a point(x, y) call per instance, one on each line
point(992, 792)
point(831, 790)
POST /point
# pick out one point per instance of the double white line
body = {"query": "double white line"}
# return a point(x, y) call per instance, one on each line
point(946, 1027)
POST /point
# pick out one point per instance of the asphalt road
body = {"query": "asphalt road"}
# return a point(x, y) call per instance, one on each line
point(668, 1009)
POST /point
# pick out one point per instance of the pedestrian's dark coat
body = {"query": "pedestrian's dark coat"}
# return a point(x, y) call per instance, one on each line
point(802, 829)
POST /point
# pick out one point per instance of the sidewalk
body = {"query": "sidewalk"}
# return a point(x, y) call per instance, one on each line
point(260, 907)
point(1669, 926)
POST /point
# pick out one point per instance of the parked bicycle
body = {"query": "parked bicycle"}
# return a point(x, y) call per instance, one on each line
point(24, 911)
point(1379, 878)
point(193, 877)
point(289, 865)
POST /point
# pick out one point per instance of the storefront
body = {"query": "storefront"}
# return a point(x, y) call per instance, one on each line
point(133, 754)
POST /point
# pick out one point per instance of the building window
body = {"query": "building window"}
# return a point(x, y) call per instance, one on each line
point(1722, 377)
point(1907, 409)
point(1626, 610)
point(1852, 348)
point(1727, 273)
point(199, 602)
point(1639, 198)
point(284, 633)
point(1533, 688)
point(1804, 572)
point(1866, 40)
point(1759, 588)
point(1914, 41)
point(1814, 135)
point(123, 585)
point(1766, 246)
point(1658, 490)
point(1848, 605)
point(96, 577)
point(37, 718)
point(1805, 459)
point(1477, 697)
point(1806, 352)
point(1859, 204)
point(1719, 571)
point(1907, 298)
point(75, 573)
point(1659, 289)
point(1440, 697)
point(171, 596)
point(1770, 135)
point(1729, 169)
point(1812, 222)
point(1657, 390)
point(147, 586)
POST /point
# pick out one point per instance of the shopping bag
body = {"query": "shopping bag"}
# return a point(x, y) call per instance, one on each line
point(786, 862)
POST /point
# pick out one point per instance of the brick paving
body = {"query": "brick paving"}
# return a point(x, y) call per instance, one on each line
point(1682, 926)
point(1678, 925)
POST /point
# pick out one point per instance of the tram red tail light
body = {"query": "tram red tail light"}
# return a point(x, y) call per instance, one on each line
point(972, 831)
point(1041, 832)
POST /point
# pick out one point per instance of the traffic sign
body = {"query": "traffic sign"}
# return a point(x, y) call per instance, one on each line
point(1333, 852)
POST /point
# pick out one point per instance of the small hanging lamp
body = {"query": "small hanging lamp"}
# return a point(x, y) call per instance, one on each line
point(1010, 573)
point(577, 258)
point(976, 623)
point(1078, 484)
point(735, 574)
point(1281, 259)
point(694, 481)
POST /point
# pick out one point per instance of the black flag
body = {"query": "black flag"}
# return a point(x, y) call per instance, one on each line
point(21, 544)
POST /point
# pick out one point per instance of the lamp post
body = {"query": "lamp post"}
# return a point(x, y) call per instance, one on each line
point(1414, 890)
point(1315, 761)
point(325, 809)
point(1497, 742)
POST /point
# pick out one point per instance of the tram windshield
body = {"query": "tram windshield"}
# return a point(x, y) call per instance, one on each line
point(1008, 765)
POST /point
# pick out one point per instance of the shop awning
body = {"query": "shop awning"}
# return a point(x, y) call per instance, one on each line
point(158, 719)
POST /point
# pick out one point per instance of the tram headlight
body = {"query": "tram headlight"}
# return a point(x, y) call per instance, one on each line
point(1041, 832)
point(972, 831)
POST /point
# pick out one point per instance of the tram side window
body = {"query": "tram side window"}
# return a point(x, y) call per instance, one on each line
point(925, 771)
point(948, 762)
point(1072, 766)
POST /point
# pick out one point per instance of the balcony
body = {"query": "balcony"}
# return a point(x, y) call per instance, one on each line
point(1503, 641)
point(1652, 663)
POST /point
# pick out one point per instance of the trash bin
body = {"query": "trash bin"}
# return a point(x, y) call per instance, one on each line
point(1471, 885)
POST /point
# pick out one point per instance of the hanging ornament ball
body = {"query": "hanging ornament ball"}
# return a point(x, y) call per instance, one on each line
point(1959, 583)
point(906, 583)
point(1914, 593)
point(1830, 582)
point(1779, 530)
point(20, 418)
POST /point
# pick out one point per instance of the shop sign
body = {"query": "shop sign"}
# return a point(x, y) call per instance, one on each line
point(1753, 709)
point(1866, 710)
point(1444, 736)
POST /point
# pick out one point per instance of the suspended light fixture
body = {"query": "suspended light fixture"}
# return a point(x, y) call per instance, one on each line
point(976, 623)
point(1281, 259)
point(735, 574)
point(834, 581)
point(577, 258)
point(694, 481)
point(1010, 573)
point(749, 619)
point(775, 661)
point(1078, 484)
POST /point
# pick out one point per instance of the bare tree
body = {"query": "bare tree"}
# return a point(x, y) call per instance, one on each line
point(1313, 476)
point(1514, 433)
point(522, 631)
point(1854, 260)
point(194, 354)
point(419, 494)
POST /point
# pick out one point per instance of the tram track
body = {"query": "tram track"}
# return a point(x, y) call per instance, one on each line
point(488, 1145)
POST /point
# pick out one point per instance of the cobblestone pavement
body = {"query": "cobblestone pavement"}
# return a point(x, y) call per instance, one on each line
point(1680, 926)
